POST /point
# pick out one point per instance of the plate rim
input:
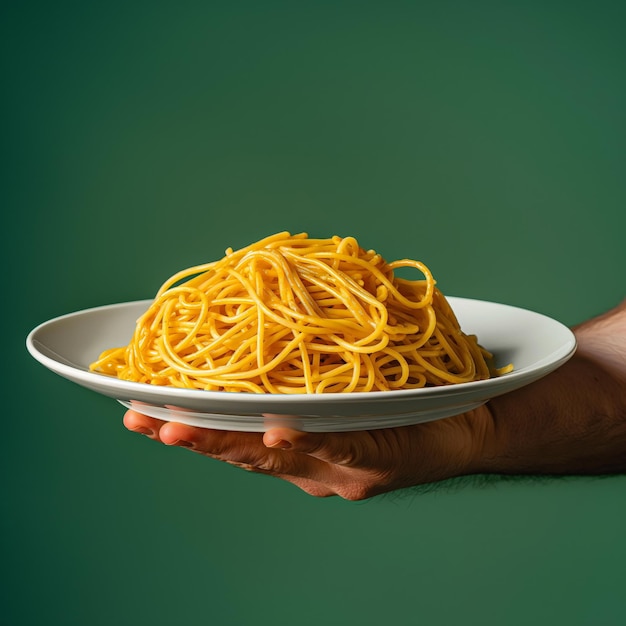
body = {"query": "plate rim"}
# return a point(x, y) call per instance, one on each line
point(121, 389)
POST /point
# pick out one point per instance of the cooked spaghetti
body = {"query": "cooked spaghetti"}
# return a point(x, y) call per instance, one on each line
point(290, 314)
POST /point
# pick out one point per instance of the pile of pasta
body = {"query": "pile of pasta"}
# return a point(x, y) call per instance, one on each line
point(292, 314)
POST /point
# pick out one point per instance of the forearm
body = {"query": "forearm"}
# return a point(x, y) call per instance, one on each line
point(574, 420)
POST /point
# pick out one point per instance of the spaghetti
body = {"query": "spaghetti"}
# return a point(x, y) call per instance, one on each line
point(290, 314)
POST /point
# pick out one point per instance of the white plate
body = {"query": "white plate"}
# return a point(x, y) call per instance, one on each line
point(534, 343)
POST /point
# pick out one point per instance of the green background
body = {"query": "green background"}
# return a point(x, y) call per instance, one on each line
point(486, 139)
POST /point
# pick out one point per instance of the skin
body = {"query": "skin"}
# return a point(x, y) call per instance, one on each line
point(573, 421)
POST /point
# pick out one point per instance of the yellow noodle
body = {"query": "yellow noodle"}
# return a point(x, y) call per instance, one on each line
point(290, 314)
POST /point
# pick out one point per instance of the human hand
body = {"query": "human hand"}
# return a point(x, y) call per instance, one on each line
point(572, 421)
point(352, 465)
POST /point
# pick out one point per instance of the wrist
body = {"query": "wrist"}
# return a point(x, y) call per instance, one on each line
point(571, 422)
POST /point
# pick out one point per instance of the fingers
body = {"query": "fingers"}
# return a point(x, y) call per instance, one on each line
point(139, 423)
point(242, 449)
point(345, 449)
point(247, 451)
point(336, 448)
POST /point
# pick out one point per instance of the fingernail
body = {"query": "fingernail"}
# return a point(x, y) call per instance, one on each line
point(280, 443)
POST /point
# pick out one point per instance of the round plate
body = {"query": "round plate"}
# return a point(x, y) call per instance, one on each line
point(534, 343)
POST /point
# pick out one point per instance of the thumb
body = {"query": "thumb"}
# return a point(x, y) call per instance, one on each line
point(348, 449)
